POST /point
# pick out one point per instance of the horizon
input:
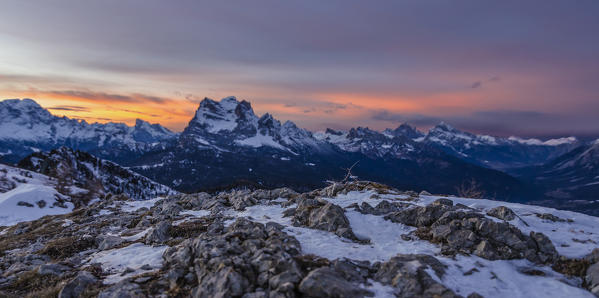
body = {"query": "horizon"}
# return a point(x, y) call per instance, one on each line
point(422, 130)
point(510, 68)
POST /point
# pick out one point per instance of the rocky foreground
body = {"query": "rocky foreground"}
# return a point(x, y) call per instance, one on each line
point(358, 239)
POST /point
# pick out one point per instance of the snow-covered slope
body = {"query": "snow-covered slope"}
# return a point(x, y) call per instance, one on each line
point(26, 195)
point(84, 170)
point(26, 127)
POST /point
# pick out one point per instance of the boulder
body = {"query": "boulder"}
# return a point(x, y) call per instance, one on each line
point(502, 212)
point(592, 279)
point(78, 285)
point(325, 282)
point(159, 233)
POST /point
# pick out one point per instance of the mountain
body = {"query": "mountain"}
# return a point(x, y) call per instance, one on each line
point(569, 181)
point(231, 124)
point(495, 152)
point(82, 170)
point(358, 239)
point(226, 144)
point(26, 127)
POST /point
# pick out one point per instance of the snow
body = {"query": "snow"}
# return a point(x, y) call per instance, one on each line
point(537, 142)
point(195, 213)
point(260, 140)
point(503, 279)
point(380, 290)
point(131, 206)
point(134, 256)
point(11, 213)
point(137, 236)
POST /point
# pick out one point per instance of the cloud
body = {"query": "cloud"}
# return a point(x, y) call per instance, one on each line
point(70, 108)
point(94, 96)
point(479, 84)
point(414, 119)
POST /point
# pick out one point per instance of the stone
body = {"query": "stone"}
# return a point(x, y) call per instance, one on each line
point(107, 241)
point(324, 216)
point(78, 285)
point(122, 289)
point(502, 212)
point(54, 269)
point(408, 274)
point(159, 233)
point(592, 279)
point(325, 282)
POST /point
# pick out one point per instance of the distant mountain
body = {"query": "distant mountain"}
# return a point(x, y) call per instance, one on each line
point(82, 170)
point(26, 127)
point(495, 152)
point(571, 180)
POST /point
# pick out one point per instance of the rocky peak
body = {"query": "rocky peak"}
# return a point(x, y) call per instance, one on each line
point(442, 126)
point(361, 132)
point(226, 115)
point(331, 131)
point(404, 130)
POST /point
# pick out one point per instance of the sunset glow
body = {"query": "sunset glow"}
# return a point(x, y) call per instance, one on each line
point(346, 66)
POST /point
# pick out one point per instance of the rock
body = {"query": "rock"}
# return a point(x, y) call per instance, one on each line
point(25, 204)
point(424, 193)
point(465, 231)
point(170, 208)
point(593, 257)
point(122, 289)
point(240, 259)
point(549, 216)
point(77, 286)
point(54, 269)
point(502, 212)
point(382, 208)
point(226, 282)
point(108, 241)
point(324, 216)
point(325, 282)
point(159, 233)
point(408, 274)
point(592, 279)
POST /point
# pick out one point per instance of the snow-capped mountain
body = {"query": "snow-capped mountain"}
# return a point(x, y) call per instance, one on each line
point(79, 169)
point(230, 123)
point(406, 141)
point(496, 152)
point(226, 144)
point(26, 127)
point(391, 144)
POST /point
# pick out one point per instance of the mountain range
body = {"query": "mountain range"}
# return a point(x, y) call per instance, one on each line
point(226, 144)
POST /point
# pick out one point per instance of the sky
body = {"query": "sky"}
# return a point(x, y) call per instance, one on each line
point(527, 68)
